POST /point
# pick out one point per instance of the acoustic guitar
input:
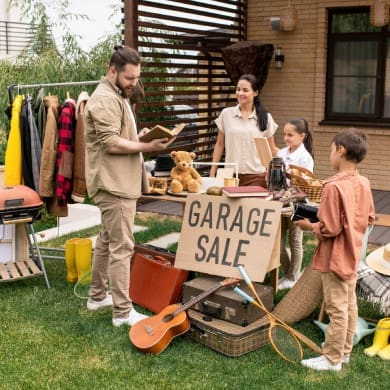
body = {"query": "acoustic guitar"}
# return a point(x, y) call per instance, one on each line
point(153, 334)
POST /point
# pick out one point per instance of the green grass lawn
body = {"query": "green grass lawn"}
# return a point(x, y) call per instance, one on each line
point(50, 341)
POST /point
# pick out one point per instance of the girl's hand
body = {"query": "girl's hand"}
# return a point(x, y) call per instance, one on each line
point(304, 224)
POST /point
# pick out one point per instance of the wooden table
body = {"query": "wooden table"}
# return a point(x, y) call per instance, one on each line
point(168, 198)
point(162, 204)
point(382, 220)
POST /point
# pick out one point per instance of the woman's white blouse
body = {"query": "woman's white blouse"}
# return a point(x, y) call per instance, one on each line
point(239, 138)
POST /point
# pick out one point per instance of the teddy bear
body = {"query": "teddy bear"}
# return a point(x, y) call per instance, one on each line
point(184, 176)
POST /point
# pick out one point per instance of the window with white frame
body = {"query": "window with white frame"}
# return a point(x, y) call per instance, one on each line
point(358, 68)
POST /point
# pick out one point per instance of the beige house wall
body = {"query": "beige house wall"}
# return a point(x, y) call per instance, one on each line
point(298, 89)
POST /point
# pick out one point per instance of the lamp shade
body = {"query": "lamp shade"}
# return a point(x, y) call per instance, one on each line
point(288, 19)
point(379, 13)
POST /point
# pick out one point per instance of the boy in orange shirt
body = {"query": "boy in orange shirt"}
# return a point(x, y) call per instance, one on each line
point(345, 211)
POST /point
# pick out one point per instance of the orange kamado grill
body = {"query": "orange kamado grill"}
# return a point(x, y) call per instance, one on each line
point(19, 204)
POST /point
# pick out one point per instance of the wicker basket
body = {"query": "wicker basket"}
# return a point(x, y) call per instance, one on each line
point(313, 192)
point(299, 175)
point(295, 172)
point(305, 180)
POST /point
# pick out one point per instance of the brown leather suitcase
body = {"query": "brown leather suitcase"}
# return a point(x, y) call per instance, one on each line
point(154, 282)
point(229, 339)
point(152, 250)
point(225, 304)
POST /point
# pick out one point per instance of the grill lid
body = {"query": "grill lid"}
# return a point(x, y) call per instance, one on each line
point(18, 197)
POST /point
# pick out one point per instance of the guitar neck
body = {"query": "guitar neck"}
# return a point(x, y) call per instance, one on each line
point(204, 294)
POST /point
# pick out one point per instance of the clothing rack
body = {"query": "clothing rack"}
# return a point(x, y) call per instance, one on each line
point(12, 87)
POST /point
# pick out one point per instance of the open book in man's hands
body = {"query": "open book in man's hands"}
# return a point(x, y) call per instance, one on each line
point(159, 131)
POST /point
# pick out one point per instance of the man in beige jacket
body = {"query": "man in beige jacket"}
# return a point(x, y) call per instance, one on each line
point(114, 171)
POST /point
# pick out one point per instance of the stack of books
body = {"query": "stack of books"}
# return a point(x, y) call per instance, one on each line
point(247, 191)
point(166, 174)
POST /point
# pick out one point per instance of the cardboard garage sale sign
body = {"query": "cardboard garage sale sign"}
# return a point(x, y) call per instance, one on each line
point(220, 233)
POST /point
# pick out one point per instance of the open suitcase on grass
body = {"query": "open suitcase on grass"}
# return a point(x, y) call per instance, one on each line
point(227, 338)
point(154, 282)
point(225, 304)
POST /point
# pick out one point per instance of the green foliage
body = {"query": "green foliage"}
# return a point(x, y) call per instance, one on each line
point(52, 67)
point(46, 221)
point(37, 10)
point(42, 63)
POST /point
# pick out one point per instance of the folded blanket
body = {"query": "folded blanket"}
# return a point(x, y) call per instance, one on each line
point(373, 287)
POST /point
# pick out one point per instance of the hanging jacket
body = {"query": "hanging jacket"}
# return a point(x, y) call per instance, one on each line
point(65, 151)
point(13, 152)
point(40, 113)
point(79, 185)
point(26, 147)
point(49, 149)
point(36, 147)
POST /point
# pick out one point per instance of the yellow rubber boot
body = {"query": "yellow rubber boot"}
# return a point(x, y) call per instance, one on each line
point(384, 353)
point(70, 261)
point(83, 255)
point(381, 337)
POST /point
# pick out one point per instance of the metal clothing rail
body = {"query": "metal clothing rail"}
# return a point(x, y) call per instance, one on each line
point(41, 85)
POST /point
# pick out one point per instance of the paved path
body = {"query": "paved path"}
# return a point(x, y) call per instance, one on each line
point(165, 241)
point(80, 216)
point(83, 216)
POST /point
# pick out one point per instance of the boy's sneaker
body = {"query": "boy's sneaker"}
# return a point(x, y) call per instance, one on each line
point(321, 363)
point(345, 358)
point(130, 320)
point(97, 305)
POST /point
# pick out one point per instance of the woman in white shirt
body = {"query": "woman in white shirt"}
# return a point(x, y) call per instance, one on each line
point(238, 126)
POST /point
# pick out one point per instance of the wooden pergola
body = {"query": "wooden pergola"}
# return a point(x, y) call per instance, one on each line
point(184, 70)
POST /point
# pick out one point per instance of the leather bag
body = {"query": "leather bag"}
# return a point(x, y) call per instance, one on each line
point(154, 282)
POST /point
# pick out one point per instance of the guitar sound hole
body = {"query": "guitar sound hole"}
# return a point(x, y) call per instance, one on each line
point(168, 318)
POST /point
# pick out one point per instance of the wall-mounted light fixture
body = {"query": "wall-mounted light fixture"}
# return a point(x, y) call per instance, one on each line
point(279, 58)
point(275, 23)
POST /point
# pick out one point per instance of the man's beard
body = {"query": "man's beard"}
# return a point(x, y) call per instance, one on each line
point(125, 93)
